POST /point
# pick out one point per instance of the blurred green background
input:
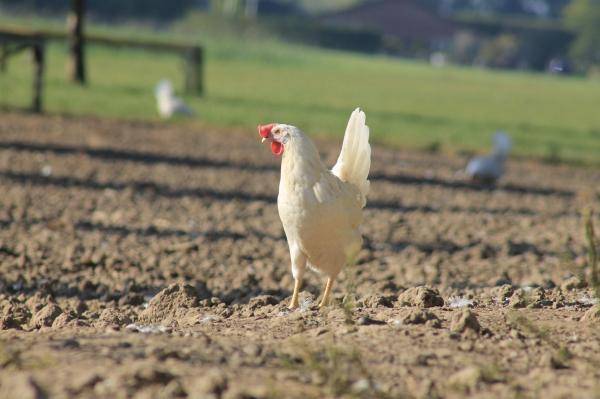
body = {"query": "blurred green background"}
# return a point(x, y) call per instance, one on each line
point(255, 72)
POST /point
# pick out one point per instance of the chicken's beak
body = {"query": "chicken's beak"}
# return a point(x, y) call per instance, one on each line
point(263, 140)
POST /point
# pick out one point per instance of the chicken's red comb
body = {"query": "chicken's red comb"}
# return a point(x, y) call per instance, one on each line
point(264, 130)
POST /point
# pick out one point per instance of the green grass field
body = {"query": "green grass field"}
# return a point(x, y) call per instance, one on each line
point(408, 104)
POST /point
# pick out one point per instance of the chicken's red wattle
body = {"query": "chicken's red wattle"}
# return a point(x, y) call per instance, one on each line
point(276, 148)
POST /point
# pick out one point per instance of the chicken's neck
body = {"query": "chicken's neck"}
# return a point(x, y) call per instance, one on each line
point(301, 165)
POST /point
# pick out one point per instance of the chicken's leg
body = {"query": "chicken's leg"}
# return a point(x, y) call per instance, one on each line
point(298, 266)
point(326, 293)
point(294, 302)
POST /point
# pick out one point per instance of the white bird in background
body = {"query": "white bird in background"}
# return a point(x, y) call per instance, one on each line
point(490, 168)
point(168, 104)
point(321, 209)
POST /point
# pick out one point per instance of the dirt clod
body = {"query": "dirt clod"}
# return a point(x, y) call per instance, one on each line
point(150, 375)
point(518, 299)
point(13, 315)
point(63, 319)
point(592, 315)
point(504, 292)
point(174, 301)
point(46, 315)
point(572, 283)
point(211, 385)
point(113, 317)
point(20, 386)
point(472, 377)
point(417, 316)
point(262, 300)
point(374, 301)
point(424, 297)
point(463, 321)
point(466, 380)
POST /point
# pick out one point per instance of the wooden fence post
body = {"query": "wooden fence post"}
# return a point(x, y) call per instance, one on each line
point(194, 60)
point(76, 42)
point(3, 57)
point(38, 78)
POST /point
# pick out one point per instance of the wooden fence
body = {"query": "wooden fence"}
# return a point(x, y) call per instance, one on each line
point(14, 40)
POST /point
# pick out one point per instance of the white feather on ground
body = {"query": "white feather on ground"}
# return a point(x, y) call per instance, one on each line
point(491, 167)
point(168, 104)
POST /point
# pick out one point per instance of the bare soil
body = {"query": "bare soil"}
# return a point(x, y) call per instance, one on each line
point(148, 260)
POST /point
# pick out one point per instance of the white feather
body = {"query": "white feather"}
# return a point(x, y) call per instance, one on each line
point(354, 161)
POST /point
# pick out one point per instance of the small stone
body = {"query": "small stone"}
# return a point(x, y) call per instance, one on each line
point(463, 321)
point(45, 316)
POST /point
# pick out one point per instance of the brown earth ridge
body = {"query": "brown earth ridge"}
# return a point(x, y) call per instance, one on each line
point(148, 260)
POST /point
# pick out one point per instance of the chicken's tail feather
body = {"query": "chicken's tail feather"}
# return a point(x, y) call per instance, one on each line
point(354, 161)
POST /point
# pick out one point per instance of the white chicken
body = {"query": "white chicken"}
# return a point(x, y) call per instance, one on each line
point(489, 169)
point(321, 209)
point(168, 104)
